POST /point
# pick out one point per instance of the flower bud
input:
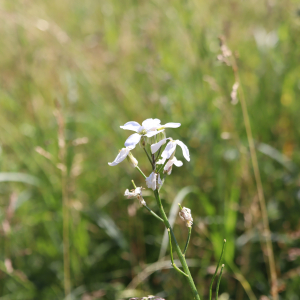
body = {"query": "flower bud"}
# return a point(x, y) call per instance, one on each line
point(185, 215)
point(132, 160)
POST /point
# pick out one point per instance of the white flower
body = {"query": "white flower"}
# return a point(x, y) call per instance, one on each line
point(122, 155)
point(185, 215)
point(168, 166)
point(149, 128)
point(153, 182)
point(137, 193)
point(170, 148)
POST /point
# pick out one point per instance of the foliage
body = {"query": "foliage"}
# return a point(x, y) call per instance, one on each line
point(107, 62)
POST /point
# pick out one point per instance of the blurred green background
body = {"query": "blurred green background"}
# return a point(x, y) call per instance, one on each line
point(93, 66)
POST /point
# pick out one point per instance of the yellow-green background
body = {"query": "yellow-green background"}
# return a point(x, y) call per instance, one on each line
point(107, 62)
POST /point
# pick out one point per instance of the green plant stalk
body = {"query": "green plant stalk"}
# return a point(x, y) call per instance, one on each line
point(149, 209)
point(188, 240)
point(149, 158)
point(141, 172)
point(171, 254)
point(214, 276)
point(153, 213)
point(177, 248)
point(218, 283)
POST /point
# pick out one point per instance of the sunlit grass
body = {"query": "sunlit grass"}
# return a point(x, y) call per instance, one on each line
point(107, 63)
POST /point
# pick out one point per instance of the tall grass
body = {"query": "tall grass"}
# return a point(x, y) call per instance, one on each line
point(108, 62)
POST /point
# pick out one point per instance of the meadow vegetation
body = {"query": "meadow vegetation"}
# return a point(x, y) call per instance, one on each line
point(72, 72)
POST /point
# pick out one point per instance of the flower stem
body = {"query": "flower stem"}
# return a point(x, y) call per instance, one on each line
point(153, 213)
point(218, 283)
point(177, 248)
point(149, 209)
point(141, 172)
point(171, 254)
point(188, 240)
point(214, 276)
point(150, 160)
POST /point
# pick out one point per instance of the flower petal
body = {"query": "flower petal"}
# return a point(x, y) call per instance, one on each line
point(132, 125)
point(120, 157)
point(177, 163)
point(152, 133)
point(151, 124)
point(133, 140)
point(171, 125)
point(185, 150)
point(161, 161)
point(170, 148)
point(155, 147)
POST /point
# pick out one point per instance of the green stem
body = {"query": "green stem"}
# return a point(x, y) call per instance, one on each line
point(141, 172)
point(162, 182)
point(188, 240)
point(162, 166)
point(218, 283)
point(133, 184)
point(171, 254)
point(213, 278)
point(150, 160)
point(153, 213)
point(158, 154)
point(177, 248)
point(149, 209)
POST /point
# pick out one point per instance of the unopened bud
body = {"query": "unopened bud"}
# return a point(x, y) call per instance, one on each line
point(185, 215)
point(132, 160)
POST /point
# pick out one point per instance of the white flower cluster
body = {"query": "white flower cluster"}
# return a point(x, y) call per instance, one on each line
point(149, 129)
point(186, 216)
point(137, 193)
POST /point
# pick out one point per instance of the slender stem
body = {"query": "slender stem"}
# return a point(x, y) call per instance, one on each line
point(213, 278)
point(149, 209)
point(162, 182)
point(158, 153)
point(259, 186)
point(177, 248)
point(133, 184)
point(162, 166)
point(188, 240)
point(153, 161)
point(171, 254)
point(141, 172)
point(149, 158)
point(218, 283)
point(153, 213)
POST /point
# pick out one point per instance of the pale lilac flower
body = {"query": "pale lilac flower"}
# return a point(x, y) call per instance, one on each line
point(149, 128)
point(170, 148)
point(186, 216)
point(136, 193)
point(122, 155)
point(168, 166)
point(153, 181)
